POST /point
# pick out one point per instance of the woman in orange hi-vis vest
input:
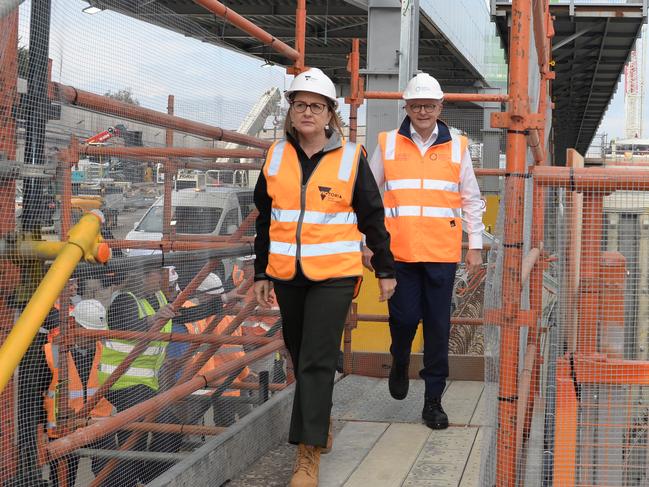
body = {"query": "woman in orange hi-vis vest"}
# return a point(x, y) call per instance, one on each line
point(430, 194)
point(315, 196)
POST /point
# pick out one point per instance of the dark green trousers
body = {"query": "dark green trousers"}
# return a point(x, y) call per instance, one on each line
point(313, 318)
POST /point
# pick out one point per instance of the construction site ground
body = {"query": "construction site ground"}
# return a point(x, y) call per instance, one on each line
point(382, 442)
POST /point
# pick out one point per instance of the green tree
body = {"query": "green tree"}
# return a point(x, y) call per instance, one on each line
point(125, 95)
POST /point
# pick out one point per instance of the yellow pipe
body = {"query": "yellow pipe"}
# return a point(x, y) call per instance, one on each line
point(48, 250)
point(81, 239)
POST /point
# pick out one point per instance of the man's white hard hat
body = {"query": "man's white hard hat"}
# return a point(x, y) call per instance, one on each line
point(211, 285)
point(313, 80)
point(423, 86)
point(90, 314)
point(173, 275)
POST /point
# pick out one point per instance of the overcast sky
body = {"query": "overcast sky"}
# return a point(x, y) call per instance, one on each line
point(108, 51)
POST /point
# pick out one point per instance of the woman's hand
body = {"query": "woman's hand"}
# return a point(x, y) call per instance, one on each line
point(386, 288)
point(262, 293)
point(367, 258)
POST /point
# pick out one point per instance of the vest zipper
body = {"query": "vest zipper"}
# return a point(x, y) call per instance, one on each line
point(300, 220)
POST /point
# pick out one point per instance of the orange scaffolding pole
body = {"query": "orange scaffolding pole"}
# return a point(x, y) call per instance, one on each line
point(518, 120)
point(170, 337)
point(592, 178)
point(247, 26)
point(104, 104)
point(148, 152)
point(448, 97)
point(300, 38)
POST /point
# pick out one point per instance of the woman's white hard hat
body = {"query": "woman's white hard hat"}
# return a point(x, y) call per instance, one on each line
point(313, 80)
point(423, 87)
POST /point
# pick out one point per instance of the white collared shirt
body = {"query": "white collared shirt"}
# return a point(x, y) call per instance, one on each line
point(472, 204)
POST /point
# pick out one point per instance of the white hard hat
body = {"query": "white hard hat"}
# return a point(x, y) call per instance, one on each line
point(313, 80)
point(173, 275)
point(211, 285)
point(90, 314)
point(423, 86)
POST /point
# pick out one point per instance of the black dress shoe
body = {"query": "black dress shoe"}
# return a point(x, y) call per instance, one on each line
point(434, 415)
point(398, 381)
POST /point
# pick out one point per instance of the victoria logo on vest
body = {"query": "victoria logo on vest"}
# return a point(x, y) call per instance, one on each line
point(326, 193)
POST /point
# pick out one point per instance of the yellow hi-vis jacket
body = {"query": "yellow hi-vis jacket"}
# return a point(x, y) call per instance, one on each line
point(145, 369)
point(423, 207)
point(75, 385)
point(315, 222)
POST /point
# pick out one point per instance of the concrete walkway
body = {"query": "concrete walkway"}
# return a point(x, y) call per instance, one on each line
point(381, 442)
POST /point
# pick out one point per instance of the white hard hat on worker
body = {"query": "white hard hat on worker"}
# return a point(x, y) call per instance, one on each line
point(90, 314)
point(313, 80)
point(423, 87)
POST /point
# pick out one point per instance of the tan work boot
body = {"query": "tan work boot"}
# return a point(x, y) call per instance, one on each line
point(307, 466)
point(330, 440)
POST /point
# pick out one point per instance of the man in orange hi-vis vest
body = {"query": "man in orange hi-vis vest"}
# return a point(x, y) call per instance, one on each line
point(430, 193)
point(82, 368)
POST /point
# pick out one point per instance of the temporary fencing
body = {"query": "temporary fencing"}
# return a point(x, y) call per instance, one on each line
point(158, 130)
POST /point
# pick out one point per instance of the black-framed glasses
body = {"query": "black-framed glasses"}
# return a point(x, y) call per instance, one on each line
point(427, 107)
point(316, 108)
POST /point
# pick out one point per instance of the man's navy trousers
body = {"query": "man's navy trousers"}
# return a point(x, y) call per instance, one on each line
point(424, 291)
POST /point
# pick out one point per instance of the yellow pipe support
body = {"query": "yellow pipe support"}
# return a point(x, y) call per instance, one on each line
point(80, 242)
point(99, 253)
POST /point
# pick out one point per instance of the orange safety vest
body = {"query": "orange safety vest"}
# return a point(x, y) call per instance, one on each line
point(75, 386)
point(238, 275)
point(423, 207)
point(313, 223)
point(225, 353)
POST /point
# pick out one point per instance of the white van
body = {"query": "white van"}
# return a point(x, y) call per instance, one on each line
point(217, 211)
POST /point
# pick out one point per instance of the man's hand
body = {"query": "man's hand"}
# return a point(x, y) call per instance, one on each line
point(165, 313)
point(386, 288)
point(262, 293)
point(473, 260)
point(367, 258)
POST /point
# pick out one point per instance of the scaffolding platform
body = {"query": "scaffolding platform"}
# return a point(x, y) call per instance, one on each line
point(381, 442)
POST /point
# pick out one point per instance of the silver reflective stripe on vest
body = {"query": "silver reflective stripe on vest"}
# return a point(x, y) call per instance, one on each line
point(285, 216)
point(132, 371)
point(435, 212)
point(395, 184)
point(390, 145)
point(75, 394)
point(456, 151)
point(398, 211)
point(276, 159)
point(91, 391)
point(441, 185)
point(126, 348)
point(283, 248)
point(347, 161)
point(329, 248)
point(314, 217)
